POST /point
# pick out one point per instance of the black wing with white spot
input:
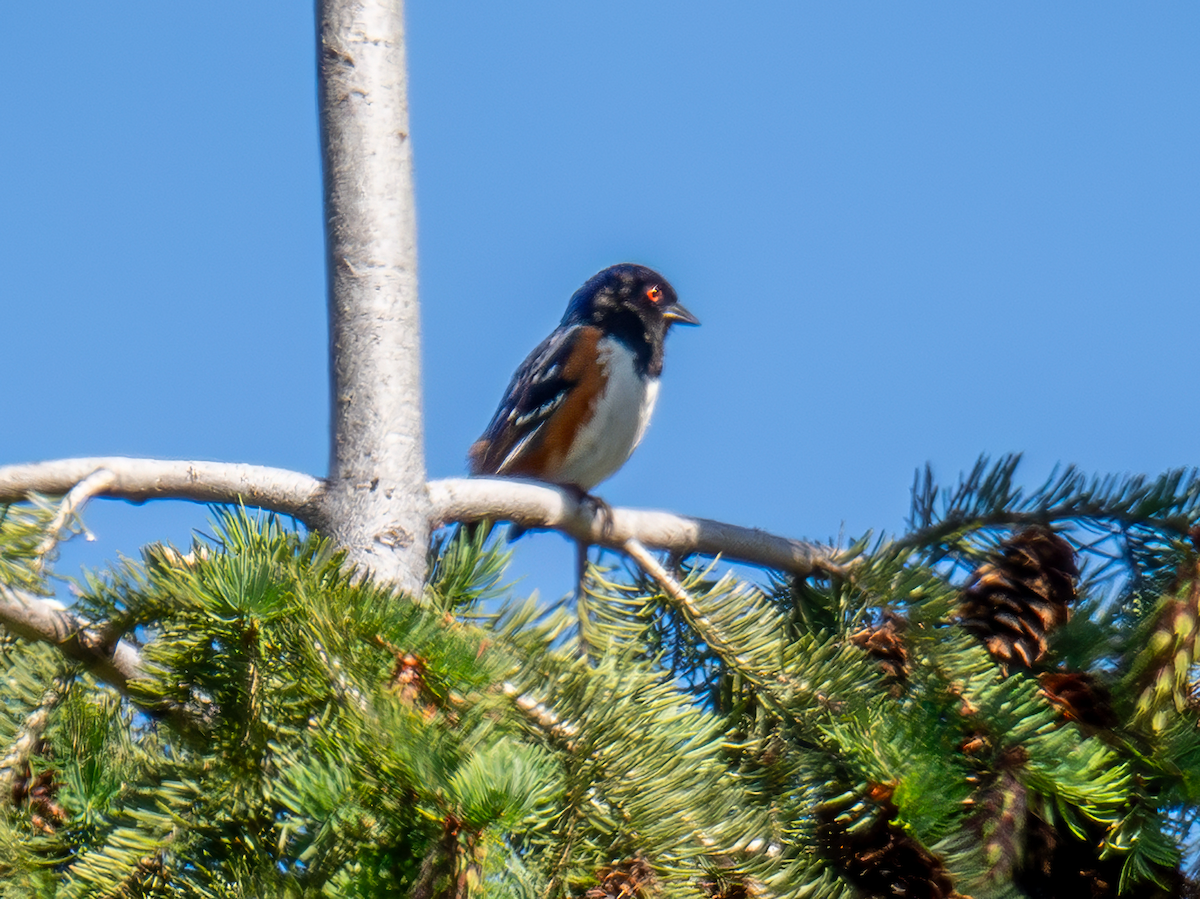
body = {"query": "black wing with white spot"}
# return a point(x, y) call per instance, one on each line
point(538, 388)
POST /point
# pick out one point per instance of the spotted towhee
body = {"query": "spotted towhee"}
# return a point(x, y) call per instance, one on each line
point(580, 403)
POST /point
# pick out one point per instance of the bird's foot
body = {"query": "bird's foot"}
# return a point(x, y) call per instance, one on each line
point(598, 509)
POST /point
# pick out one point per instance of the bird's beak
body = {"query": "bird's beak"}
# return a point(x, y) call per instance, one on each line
point(676, 313)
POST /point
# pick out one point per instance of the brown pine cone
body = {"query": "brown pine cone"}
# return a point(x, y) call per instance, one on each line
point(630, 879)
point(875, 854)
point(1079, 697)
point(1013, 602)
point(885, 642)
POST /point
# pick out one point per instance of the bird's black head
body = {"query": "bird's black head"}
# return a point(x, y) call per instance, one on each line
point(634, 304)
point(631, 302)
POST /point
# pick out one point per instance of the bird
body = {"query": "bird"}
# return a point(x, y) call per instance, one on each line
point(579, 404)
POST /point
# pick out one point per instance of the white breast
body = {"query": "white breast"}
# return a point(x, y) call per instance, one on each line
point(622, 413)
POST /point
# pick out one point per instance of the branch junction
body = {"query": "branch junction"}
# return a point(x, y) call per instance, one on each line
point(527, 503)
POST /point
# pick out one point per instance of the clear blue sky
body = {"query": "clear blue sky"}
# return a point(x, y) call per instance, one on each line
point(912, 231)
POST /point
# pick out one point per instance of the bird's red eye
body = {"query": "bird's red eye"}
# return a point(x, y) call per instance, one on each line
point(654, 294)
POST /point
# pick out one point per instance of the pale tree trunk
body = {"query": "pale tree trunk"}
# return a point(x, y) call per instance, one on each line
point(376, 504)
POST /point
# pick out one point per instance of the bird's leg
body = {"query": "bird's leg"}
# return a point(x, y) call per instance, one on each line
point(581, 601)
point(581, 563)
point(597, 507)
point(674, 563)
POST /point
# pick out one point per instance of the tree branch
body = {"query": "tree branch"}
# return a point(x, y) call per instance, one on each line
point(665, 579)
point(137, 480)
point(45, 620)
point(527, 503)
point(95, 483)
point(535, 505)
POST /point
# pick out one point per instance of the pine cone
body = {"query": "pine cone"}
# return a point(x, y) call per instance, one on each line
point(875, 854)
point(1013, 602)
point(38, 792)
point(1079, 697)
point(410, 682)
point(1057, 864)
point(630, 879)
point(885, 642)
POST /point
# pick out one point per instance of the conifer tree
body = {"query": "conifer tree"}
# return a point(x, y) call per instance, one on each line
point(1000, 701)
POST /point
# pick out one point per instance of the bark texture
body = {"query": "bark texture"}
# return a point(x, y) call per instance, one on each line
point(376, 503)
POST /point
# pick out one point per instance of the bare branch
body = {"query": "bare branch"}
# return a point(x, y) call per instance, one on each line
point(95, 483)
point(45, 620)
point(665, 579)
point(543, 716)
point(528, 503)
point(138, 480)
point(535, 505)
point(682, 599)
